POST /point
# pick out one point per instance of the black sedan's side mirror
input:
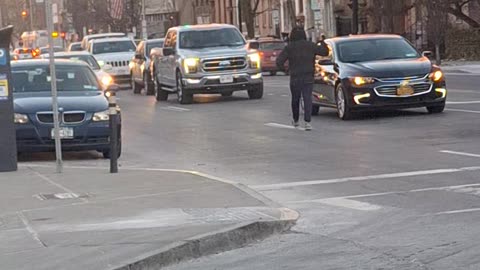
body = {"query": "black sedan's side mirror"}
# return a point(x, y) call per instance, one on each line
point(427, 53)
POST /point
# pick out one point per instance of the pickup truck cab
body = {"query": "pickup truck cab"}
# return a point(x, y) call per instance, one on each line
point(200, 59)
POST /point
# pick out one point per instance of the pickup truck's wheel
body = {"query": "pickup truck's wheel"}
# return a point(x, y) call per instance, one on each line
point(136, 88)
point(183, 96)
point(148, 85)
point(227, 94)
point(256, 92)
point(160, 94)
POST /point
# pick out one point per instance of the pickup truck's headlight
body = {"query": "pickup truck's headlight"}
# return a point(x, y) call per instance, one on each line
point(254, 60)
point(190, 65)
point(20, 118)
point(359, 81)
point(101, 116)
point(106, 80)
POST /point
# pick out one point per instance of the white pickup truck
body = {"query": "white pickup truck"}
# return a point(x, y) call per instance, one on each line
point(116, 53)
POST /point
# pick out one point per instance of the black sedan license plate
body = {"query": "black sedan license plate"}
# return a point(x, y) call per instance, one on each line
point(405, 90)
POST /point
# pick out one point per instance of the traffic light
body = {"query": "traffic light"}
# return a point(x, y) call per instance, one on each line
point(24, 13)
point(55, 34)
point(63, 35)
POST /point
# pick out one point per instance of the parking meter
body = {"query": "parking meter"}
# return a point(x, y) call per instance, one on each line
point(8, 144)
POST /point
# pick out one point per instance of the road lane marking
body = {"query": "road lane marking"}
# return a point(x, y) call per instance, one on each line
point(460, 153)
point(463, 91)
point(175, 109)
point(276, 125)
point(463, 102)
point(469, 210)
point(362, 178)
point(460, 74)
point(457, 110)
point(351, 204)
point(457, 188)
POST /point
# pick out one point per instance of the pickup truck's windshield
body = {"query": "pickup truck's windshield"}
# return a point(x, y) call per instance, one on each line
point(210, 38)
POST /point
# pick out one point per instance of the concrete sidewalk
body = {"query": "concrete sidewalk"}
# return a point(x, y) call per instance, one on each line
point(137, 219)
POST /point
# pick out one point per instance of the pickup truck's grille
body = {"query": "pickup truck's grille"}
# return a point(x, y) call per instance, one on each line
point(118, 63)
point(223, 64)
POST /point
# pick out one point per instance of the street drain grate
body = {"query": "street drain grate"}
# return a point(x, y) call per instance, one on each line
point(60, 196)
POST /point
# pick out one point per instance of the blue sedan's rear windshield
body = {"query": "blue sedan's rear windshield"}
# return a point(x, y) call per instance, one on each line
point(69, 78)
point(375, 50)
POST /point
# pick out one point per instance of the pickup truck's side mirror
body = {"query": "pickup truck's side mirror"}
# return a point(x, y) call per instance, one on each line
point(325, 62)
point(254, 45)
point(168, 51)
point(427, 53)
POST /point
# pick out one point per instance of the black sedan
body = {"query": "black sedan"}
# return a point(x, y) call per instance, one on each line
point(83, 107)
point(371, 72)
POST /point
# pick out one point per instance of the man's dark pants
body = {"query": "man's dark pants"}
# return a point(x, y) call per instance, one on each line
point(301, 87)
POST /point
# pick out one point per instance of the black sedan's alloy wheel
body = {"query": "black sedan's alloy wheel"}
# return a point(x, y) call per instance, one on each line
point(343, 108)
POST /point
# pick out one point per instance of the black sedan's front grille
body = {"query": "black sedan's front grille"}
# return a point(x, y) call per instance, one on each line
point(68, 117)
point(391, 90)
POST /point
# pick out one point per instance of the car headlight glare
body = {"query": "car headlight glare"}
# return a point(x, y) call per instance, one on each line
point(436, 76)
point(106, 80)
point(190, 65)
point(254, 60)
point(101, 116)
point(359, 81)
point(20, 118)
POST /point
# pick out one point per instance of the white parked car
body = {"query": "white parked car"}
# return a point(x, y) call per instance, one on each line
point(89, 38)
point(117, 53)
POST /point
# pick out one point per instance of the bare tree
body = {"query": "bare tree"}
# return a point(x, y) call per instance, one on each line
point(249, 12)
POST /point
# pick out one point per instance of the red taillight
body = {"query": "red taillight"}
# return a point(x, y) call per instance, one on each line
point(25, 50)
point(15, 57)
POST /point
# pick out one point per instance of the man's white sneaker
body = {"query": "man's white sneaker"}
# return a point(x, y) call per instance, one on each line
point(295, 124)
point(308, 126)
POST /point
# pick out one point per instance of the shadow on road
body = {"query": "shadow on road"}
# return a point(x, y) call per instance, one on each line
point(50, 156)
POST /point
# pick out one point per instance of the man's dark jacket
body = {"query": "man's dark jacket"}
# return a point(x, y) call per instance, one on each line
point(300, 54)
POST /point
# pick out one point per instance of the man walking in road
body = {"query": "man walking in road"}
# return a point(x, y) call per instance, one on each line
point(300, 55)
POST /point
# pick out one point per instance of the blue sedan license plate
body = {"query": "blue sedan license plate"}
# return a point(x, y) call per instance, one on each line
point(65, 133)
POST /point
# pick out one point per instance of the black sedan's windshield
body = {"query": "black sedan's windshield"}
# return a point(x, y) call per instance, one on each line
point(375, 50)
point(211, 38)
point(37, 78)
point(89, 59)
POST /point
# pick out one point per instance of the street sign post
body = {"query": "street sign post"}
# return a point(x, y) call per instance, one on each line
point(53, 80)
point(8, 144)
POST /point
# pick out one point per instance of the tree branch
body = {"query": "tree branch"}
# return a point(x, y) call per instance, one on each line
point(459, 14)
point(257, 3)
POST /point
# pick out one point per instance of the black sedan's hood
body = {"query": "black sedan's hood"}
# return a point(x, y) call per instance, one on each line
point(388, 68)
point(33, 102)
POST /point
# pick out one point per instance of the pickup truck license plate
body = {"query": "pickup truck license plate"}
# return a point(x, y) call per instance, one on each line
point(65, 133)
point(226, 79)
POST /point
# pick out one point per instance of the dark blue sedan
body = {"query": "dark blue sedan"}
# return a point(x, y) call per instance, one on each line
point(83, 107)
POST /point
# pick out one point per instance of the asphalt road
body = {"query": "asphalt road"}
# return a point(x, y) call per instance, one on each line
point(390, 190)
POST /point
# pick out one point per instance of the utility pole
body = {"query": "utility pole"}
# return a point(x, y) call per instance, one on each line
point(144, 21)
point(31, 12)
point(239, 6)
point(53, 80)
point(354, 17)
